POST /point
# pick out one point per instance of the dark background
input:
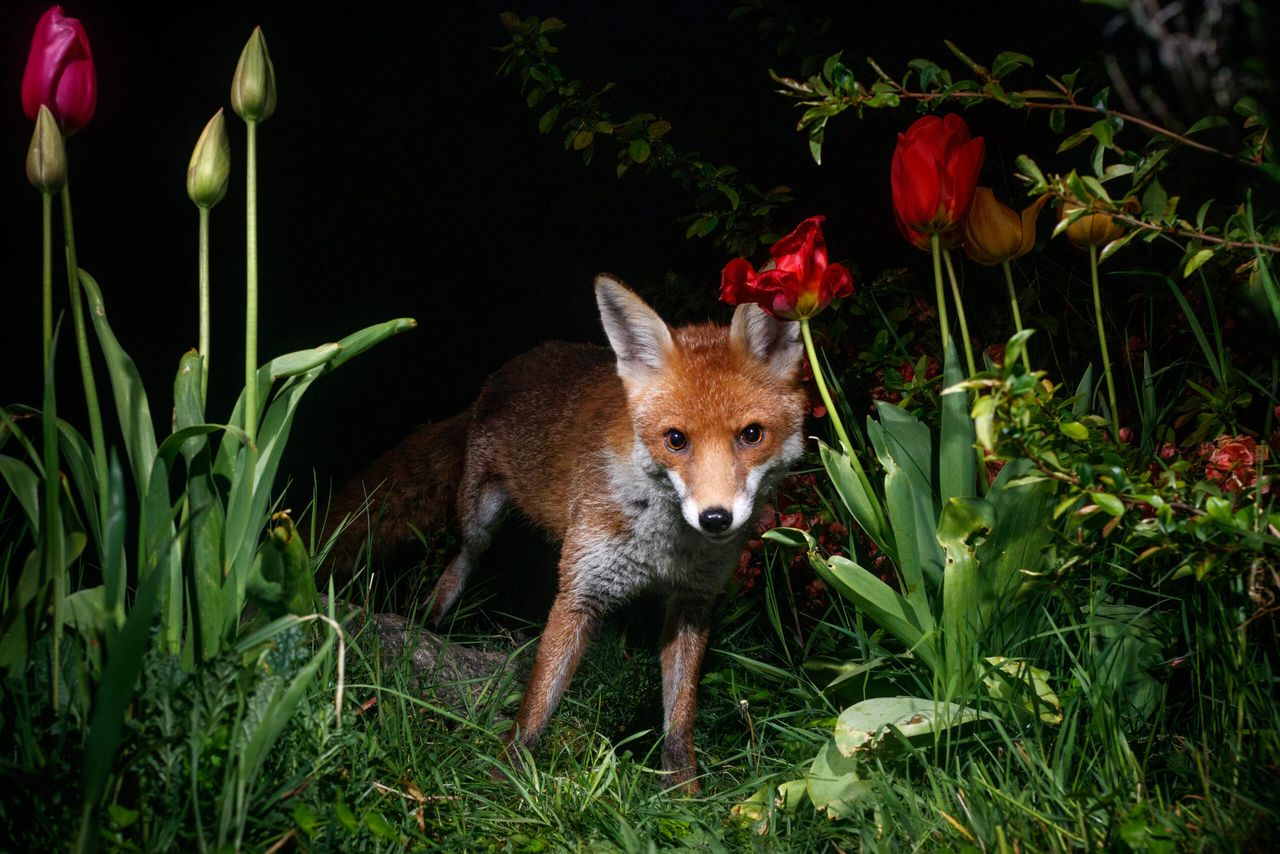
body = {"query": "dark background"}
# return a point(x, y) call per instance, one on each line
point(400, 177)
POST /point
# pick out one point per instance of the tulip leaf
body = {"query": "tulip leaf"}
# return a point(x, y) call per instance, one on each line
point(957, 469)
point(126, 385)
point(25, 486)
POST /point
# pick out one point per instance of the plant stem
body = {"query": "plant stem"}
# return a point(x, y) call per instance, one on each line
point(82, 349)
point(46, 316)
point(251, 285)
point(1017, 315)
point(964, 324)
point(940, 295)
point(1102, 343)
point(204, 304)
point(822, 387)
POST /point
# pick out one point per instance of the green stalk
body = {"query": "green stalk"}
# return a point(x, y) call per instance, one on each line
point(964, 324)
point(51, 525)
point(251, 286)
point(939, 295)
point(1102, 343)
point(1017, 315)
point(204, 304)
point(82, 349)
point(46, 318)
point(822, 387)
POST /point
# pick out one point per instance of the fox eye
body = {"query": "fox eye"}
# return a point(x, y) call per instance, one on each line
point(675, 440)
point(751, 434)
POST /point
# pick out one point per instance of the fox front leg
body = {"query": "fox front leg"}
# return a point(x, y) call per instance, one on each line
point(560, 649)
point(684, 641)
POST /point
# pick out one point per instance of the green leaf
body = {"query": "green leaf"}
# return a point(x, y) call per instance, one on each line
point(957, 471)
point(1075, 138)
point(639, 150)
point(1074, 430)
point(1026, 166)
point(833, 783)
point(858, 498)
point(863, 725)
point(966, 599)
point(1058, 120)
point(791, 538)
point(912, 502)
point(126, 384)
point(282, 581)
point(1103, 132)
point(1109, 503)
point(1007, 61)
point(880, 602)
point(1196, 261)
point(25, 486)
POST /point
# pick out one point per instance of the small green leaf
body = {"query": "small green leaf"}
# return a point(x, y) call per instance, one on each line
point(1074, 430)
point(1110, 505)
point(1196, 261)
point(582, 139)
point(639, 150)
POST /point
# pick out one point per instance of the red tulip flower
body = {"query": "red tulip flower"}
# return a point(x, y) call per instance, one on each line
point(60, 72)
point(934, 172)
point(797, 283)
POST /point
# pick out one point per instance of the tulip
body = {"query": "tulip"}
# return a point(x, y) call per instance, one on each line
point(995, 233)
point(1091, 230)
point(253, 88)
point(934, 172)
point(60, 73)
point(47, 157)
point(798, 282)
point(210, 164)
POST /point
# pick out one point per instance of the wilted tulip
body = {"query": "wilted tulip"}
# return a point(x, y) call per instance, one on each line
point(210, 164)
point(933, 175)
point(47, 157)
point(60, 73)
point(253, 89)
point(995, 232)
point(799, 284)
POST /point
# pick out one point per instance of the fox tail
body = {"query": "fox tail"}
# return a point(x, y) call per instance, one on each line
point(413, 485)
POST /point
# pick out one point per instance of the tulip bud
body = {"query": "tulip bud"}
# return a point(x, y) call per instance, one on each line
point(1093, 229)
point(210, 164)
point(253, 89)
point(47, 156)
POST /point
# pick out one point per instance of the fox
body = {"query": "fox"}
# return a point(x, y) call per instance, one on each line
point(649, 461)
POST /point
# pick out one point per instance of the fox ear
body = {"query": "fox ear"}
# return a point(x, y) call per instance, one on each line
point(638, 336)
point(772, 341)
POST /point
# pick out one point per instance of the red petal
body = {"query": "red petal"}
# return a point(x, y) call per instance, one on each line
point(838, 282)
point(962, 177)
point(733, 281)
point(914, 178)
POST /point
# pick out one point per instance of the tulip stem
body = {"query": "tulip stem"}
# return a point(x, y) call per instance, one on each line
point(251, 285)
point(964, 324)
point(204, 304)
point(1102, 343)
point(46, 304)
point(822, 387)
point(82, 349)
point(939, 294)
point(1013, 304)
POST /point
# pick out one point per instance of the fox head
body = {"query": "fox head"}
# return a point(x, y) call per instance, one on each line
point(719, 410)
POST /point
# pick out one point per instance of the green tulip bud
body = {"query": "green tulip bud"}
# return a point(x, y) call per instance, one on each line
point(253, 89)
point(210, 164)
point(47, 157)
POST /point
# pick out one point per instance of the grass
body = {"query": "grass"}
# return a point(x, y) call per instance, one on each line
point(1156, 751)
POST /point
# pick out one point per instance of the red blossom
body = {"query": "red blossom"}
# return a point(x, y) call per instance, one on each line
point(933, 176)
point(796, 284)
point(60, 73)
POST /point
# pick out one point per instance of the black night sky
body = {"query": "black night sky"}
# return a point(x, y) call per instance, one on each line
point(400, 177)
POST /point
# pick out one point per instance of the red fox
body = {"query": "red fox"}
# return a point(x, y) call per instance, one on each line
point(649, 464)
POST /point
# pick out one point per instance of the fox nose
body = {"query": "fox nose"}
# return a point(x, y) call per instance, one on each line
point(715, 520)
